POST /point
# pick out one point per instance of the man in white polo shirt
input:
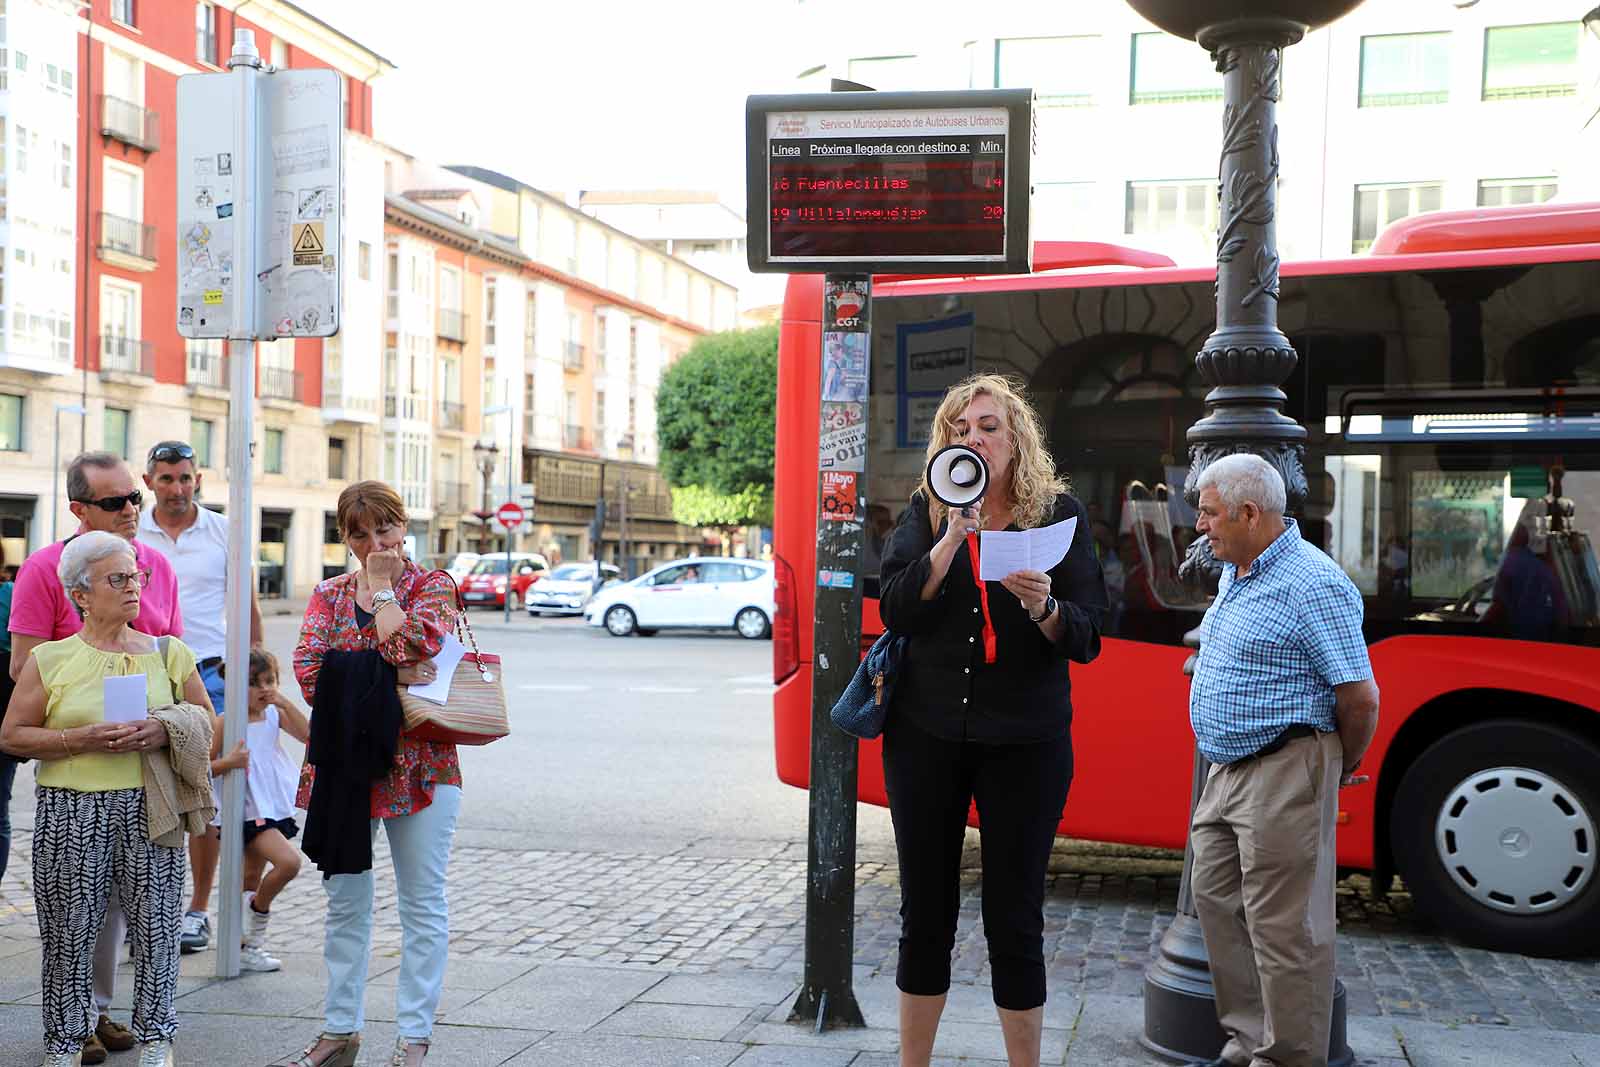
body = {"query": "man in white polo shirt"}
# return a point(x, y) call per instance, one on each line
point(195, 541)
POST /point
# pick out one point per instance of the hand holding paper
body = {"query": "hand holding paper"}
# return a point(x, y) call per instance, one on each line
point(125, 698)
point(438, 690)
point(1003, 552)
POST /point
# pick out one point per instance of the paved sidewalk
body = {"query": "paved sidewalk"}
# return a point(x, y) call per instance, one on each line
point(593, 958)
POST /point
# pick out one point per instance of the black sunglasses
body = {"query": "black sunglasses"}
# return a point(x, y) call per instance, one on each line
point(116, 503)
point(170, 453)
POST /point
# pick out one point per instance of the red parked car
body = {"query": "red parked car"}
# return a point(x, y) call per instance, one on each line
point(485, 587)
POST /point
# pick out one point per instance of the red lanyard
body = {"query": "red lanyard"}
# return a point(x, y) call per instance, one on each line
point(983, 598)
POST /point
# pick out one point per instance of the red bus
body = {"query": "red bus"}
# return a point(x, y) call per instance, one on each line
point(1450, 385)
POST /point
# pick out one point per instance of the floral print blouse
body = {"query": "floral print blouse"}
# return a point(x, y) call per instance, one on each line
point(429, 599)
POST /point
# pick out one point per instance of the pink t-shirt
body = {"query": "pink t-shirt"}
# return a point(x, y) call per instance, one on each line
point(40, 608)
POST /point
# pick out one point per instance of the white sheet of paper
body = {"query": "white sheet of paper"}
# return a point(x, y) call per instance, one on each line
point(438, 690)
point(1003, 552)
point(126, 698)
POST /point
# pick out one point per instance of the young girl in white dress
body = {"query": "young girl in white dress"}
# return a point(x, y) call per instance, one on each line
point(269, 802)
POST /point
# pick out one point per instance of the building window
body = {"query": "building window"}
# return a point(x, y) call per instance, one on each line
point(393, 283)
point(200, 441)
point(22, 149)
point(66, 165)
point(364, 260)
point(1526, 62)
point(1167, 206)
point(1171, 70)
point(10, 423)
point(488, 310)
point(1405, 68)
point(123, 11)
point(886, 72)
point(530, 322)
point(1061, 70)
point(114, 431)
point(1495, 192)
point(272, 452)
point(205, 33)
point(527, 398)
point(1379, 205)
point(336, 458)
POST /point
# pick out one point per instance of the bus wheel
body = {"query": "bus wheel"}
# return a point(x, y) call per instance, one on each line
point(620, 621)
point(1493, 829)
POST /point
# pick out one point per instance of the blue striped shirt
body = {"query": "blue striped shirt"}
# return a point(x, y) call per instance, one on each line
point(1273, 645)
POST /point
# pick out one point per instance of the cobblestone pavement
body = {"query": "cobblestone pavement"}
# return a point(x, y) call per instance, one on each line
point(1104, 912)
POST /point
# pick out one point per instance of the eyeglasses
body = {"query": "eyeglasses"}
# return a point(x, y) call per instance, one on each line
point(116, 503)
point(121, 580)
point(171, 453)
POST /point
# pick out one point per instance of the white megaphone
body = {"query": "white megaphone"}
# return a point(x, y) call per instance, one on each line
point(958, 476)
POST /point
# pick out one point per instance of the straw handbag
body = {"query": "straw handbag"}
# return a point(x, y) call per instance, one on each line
point(475, 713)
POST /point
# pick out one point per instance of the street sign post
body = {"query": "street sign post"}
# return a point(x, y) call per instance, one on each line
point(260, 171)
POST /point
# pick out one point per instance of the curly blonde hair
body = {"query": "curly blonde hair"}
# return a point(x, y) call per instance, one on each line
point(1034, 481)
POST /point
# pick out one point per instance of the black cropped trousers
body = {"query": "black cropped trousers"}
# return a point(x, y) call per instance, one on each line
point(1020, 790)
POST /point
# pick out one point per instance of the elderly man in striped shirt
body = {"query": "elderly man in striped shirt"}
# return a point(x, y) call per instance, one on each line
point(1283, 705)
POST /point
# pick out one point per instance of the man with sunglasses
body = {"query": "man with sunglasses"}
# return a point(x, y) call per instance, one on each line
point(102, 497)
point(195, 541)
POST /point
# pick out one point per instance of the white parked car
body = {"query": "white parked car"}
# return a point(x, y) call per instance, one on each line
point(701, 592)
point(565, 590)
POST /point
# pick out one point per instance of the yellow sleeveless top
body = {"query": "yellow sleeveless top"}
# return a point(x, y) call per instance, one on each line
point(72, 671)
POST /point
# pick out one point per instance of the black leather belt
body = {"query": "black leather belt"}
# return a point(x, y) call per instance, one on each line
point(209, 662)
point(1299, 729)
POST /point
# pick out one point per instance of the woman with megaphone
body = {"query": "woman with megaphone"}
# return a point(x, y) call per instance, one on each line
point(981, 708)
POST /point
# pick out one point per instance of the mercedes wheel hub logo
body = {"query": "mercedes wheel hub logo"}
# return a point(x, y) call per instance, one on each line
point(1515, 841)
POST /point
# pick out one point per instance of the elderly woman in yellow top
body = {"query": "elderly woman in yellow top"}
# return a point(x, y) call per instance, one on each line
point(90, 832)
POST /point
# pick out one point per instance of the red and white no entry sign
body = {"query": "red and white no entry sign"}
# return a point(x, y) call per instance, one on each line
point(510, 515)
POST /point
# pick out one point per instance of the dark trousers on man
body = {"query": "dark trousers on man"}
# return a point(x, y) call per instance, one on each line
point(1264, 871)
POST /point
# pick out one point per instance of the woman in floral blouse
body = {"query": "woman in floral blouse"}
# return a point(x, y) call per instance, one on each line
point(394, 607)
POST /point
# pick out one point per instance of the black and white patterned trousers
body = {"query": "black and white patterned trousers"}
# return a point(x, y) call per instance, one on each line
point(85, 847)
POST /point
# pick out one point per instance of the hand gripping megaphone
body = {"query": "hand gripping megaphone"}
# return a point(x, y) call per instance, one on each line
point(958, 476)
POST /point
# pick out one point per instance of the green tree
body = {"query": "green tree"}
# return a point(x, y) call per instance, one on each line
point(716, 420)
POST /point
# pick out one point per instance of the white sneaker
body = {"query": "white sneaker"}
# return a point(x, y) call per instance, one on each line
point(255, 958)
point(156, 1054)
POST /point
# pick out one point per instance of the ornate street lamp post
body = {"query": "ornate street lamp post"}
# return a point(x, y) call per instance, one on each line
point(1244, 361)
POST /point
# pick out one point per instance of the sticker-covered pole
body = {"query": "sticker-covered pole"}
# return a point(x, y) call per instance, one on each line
point(245, 64)
point(827, 994)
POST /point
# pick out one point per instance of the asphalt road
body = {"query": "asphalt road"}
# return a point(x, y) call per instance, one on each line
point(627, 744)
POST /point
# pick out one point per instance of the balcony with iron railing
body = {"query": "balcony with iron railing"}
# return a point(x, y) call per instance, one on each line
point(279, 383)
point(206, 370)
point(572, 358)
point(452, 325)
point(573, 437)
point(126, 357)
point(129, 123)
point(452, 415)
point(126, 243)
point(340, 406)
point(405, 406)
point(452, 498)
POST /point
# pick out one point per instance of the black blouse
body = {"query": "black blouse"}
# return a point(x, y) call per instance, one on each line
point(945, 686)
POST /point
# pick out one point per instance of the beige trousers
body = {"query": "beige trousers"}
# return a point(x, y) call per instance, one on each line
point(1264, 872)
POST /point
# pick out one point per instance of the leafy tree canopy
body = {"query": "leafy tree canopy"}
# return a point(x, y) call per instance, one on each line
point(716, 415)
point(695, 505)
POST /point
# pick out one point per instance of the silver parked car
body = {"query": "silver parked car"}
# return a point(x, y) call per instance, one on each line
point(569, 588)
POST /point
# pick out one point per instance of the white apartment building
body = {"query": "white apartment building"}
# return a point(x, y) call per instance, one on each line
point(1402, 106)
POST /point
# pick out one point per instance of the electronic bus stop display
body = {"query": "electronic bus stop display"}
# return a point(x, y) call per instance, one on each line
point(860, 182)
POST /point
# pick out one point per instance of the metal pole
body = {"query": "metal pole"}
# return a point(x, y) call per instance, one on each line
point(622, 536)
point(1244, 361)
point(827, 992)
point(511, 492)
point(55, 480)
point(245, 64)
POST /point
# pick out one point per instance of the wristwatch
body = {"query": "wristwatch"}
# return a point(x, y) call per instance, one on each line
point(382, 599)
point(1049, 609)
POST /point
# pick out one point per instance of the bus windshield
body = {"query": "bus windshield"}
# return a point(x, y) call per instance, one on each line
point(1453, 455)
